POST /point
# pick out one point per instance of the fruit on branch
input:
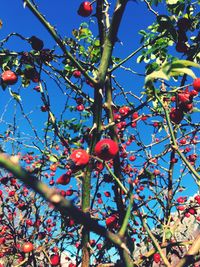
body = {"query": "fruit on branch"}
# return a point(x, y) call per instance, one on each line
point(77, 74)
point(187, 107)
point(80, 107)
point(156, 257)
point(27, 247)
point(132, 158)
point(36, 43)
point(193, 93)
point(85, 9)
point(44, 108)
point(124, 110)
point(197, 198)
point(135, 115)
point(156, 172)
point(111, 221)
point(106, 149)
point(184, 97)
point(78, 159)
point(64, 179)
point(9, 77)
point(55, 260)
point(176, 115)
point(196, 84)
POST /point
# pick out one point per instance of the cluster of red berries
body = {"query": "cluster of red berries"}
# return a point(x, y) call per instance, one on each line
point(184, 102)
point(106, 149)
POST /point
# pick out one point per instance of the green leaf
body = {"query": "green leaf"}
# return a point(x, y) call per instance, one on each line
point(146, 174)
point(181, 71)
point(172, 2)
point(156, 75)
point(53, 158)
point(196, 110)
point(97, 43)
point(168, 234)
point(184, 63)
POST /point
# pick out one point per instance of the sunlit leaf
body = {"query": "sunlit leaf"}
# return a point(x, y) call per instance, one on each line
point(156, 75)
point(53, 158)
point(181, 71)
point(184, 63)
point(172, 2)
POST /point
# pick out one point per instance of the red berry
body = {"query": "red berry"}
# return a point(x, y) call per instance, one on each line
point(53, 167)
point(111, 222)
point(63, 179)
point(55, 260)
point(193, 93)
point(124, 110)
point(183, 141)
point(69, 192)
point(9, 77)
point(77, 74)
point(196, 84)
point(181, 208)
point(184, 97)
point(132, 158)
point(106, 149)
point(79, 159)
point(174, 160)
point(187, 107)
point(80, 107)
point(197, 198)
point(27, 247)
point(192, 211)
point(192, 157)
point(156, 172)
point(107, 193)
point(44, 108)
point(181, 200)
point(85, 9)
point(144, 118)
point(156, 124)
point(135, 115)
point(176, 115)
point(156, 257)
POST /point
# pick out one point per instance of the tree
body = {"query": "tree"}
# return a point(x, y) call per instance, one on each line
point(92, 182)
